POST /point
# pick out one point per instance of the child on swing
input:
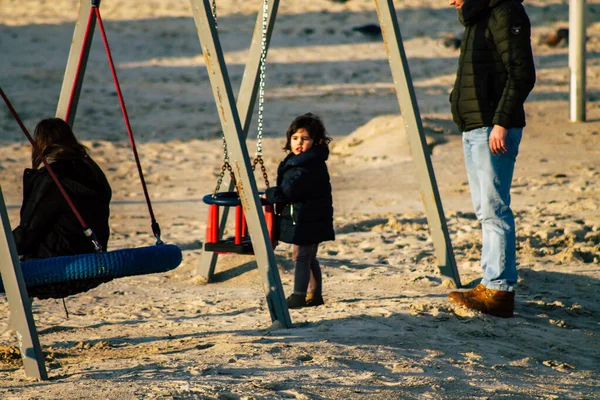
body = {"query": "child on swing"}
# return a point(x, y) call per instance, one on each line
point(48, 227)
point(304, 205)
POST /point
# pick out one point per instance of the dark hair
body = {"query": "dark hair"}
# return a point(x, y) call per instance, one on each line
point(56, 141)
point(313, 125)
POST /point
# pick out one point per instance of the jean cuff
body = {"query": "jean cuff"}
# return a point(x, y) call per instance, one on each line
point(498, 285)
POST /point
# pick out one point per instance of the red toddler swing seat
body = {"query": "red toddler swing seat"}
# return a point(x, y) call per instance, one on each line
point(240, 243)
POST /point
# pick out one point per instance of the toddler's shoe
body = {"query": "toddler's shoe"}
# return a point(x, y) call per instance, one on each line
point(314, 299)
point(296, 301)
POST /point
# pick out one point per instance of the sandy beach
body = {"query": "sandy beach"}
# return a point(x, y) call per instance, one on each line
point(387, 329)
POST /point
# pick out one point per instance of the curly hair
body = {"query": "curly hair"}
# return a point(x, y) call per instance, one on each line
point(313, 125)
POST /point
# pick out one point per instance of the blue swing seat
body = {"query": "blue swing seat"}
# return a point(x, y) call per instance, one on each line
point(60, 277)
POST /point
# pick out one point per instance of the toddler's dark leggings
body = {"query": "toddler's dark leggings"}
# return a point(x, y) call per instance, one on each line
point(307, 270)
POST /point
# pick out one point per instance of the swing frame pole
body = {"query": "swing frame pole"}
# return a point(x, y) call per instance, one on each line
point(240, 161)
point(245, 105)
point(21, 316)
point(69, 98)
point(71, 88)
point(409, 109)
point(89, 14)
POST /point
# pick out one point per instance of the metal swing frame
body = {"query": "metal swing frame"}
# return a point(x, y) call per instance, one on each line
point(21, 316)
point(253, 82)
point(67, 106)
point(235, 121)
point(231, 116)
point(236, 131)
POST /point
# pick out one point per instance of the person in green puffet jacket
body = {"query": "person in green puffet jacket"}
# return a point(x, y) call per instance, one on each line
point(495, 74)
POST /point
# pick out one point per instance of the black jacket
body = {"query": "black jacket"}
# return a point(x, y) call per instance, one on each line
point(48, 226)
point(302, 198)
point(496, 70)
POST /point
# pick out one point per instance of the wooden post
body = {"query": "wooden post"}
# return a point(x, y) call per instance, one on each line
point(240, 161)
point(245, 105)
point(577, 59)
point(18, 300)
point(409, 109)
point(67, 106)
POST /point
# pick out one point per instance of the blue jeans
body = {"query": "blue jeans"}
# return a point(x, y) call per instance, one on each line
point(490, 178)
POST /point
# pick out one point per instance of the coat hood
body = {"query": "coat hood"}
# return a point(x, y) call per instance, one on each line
point(316, 154)
point(472, 10)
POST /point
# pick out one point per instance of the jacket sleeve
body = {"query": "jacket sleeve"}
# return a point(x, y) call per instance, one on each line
point(37, 217)
point(294, 187)
point(298, 185)
point(511, 32)
point(273, 195)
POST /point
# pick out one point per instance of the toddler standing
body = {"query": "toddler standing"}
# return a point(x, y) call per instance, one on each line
point(304, 205)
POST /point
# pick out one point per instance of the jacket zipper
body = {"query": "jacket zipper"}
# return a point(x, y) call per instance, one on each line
point(466, 44)
point(292, 213)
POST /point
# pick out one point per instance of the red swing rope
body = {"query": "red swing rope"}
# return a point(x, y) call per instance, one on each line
point(95, 10)
point(86, 230)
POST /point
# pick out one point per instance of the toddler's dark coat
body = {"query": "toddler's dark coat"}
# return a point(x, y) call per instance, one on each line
point(302, 198)
point(48, 226)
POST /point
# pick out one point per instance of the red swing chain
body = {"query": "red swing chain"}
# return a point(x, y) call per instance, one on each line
point(95, 10)
point(86, 230)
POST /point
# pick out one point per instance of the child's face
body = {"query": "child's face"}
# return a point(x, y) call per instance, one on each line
point(300, 141)
point(457, 3)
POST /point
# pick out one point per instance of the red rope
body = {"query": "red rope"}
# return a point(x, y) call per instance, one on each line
point(127, 124)
point(79, 64)
point(88, 232)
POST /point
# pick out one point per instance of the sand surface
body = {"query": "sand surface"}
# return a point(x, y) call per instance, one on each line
point(387, 330)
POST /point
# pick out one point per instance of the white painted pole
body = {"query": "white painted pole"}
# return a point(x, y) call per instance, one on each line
point(21, 316)
point(577, 55)
point(409, 109)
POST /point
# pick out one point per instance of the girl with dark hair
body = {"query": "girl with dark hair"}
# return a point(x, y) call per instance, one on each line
point(304, 205)
point(48, 226)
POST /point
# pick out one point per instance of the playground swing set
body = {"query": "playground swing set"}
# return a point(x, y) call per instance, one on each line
point(60, 277)
point(235, 122)
point(240, 243)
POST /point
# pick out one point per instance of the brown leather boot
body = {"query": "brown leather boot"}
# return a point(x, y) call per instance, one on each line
point(499, 303)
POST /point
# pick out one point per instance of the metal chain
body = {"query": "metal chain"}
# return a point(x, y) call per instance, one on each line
point(226, 167)
point(261, 94)
point(261, 86)
point(261, 100)
point(259, 160)
point(214, 11)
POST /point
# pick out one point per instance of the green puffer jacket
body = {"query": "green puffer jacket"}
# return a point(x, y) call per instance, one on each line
point(495, 69)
